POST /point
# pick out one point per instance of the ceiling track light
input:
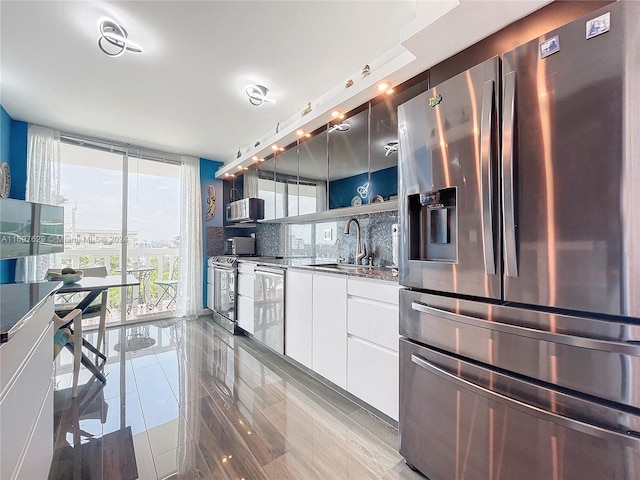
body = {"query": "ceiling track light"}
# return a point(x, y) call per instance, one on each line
point(390, 148)
point(341, 127)
point(258, 95)
point(113, 40)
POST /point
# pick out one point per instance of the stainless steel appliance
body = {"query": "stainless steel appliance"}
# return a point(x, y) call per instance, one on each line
point(240, 246)
point(221, 290)
point(269, 307)
point(520, 314)
point(245, 210)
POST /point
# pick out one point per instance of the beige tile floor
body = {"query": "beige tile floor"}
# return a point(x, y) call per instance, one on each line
point(201, 403)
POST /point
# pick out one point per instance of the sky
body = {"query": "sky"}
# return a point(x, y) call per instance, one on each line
point(96, 193)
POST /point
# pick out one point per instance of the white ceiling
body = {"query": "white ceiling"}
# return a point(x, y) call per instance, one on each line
point(185, 93)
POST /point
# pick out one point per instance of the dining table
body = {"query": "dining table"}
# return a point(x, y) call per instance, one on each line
point(94, 286)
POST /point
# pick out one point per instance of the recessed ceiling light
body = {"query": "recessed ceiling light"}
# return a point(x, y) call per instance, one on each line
point(258, 95)
point(383, 86)
point(114, 39)
point(300, 133)
point(335, 113)
point(274, 147)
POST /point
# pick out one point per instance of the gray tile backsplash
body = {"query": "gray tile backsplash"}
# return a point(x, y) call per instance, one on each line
point(326, 239)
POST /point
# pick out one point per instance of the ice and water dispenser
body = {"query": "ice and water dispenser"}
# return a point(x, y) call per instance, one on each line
point(433, 225)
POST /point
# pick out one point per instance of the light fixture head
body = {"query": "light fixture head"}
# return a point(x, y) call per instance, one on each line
point(258, 95)
point(390, 148)
point(383, 86)
point(113, 40)
point(340, 127)
point(300, 133)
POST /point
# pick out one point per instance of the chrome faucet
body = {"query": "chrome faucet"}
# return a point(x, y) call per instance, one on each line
point(361, 250)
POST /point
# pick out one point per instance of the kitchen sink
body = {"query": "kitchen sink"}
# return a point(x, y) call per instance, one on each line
point(350, 267)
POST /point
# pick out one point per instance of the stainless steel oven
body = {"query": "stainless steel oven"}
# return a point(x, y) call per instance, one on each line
point(222, 274)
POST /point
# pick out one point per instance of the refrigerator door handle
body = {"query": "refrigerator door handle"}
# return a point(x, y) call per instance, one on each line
point(542, 335)
point(509, 402)
point(486, 186)
point(508, 130)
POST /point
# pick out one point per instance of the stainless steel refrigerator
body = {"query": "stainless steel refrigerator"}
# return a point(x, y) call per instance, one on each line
point(520, 260)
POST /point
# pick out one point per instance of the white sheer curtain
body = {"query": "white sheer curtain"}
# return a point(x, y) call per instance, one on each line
point(321, 196)
point(189, 298)
point(43, 186)
point(250, 186)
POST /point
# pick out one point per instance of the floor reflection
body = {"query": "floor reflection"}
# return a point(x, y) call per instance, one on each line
point(187, 400)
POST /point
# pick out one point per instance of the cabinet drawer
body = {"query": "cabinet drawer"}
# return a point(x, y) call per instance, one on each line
point(374, 321)
point(245, 285)
point(14, 352)
point(245, 313)
point(373, 374)
point(21, 403)
point(246, 267)
point(37, 460)
point(374, 289)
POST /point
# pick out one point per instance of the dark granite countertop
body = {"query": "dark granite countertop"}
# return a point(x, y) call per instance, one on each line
point(17, 300)
point(326, 265)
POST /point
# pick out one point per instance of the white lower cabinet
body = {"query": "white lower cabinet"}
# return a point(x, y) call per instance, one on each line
point(299, 317)
point(373, 375)
point(373, 333)
point(246, 288)
point(26, 398)
point(329, 351)
point(346, 329)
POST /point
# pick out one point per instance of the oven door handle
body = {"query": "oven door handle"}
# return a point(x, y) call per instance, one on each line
point(542, 335)
point(512, 403)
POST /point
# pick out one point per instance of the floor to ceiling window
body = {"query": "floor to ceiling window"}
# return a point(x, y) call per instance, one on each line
point(122, 210)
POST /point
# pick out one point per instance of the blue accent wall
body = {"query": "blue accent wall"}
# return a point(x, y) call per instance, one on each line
point(383, 182)
point(13, 150)
point(5, 134)
point(18, 159)
point(208, 169)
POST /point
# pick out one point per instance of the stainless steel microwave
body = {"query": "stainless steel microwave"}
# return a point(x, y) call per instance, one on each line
point(245, 210)
point(240, 246)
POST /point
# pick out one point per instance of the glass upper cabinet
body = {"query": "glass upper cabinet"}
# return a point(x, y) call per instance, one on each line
point(349, 160)
point(266, 186)
point(313, 173)
point(384, 140)
point(286, 184)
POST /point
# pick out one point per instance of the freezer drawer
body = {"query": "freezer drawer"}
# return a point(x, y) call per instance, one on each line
point(596, 357)
point(460, 420)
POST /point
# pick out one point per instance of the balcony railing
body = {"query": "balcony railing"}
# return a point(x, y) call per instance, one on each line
point(163, 261)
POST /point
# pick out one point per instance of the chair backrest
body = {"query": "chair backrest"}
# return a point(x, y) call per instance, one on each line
point(94, 271)
point(176, 269)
